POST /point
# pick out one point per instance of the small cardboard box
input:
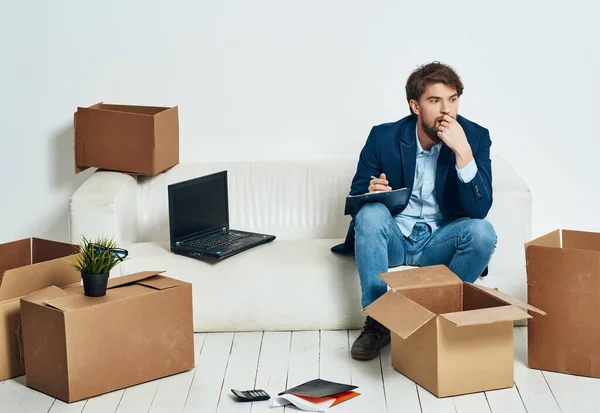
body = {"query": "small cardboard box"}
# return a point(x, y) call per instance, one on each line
point(450, 337)
point(564, 279)
point(77, 347)
point(26, 266)
point(140, 140)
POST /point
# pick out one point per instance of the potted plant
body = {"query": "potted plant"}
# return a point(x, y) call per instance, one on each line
point(94, 262)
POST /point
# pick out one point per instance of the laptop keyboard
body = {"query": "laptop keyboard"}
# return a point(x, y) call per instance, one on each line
point(217, 240)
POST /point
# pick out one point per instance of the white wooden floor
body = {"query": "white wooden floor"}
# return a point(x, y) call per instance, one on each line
point(275, 361)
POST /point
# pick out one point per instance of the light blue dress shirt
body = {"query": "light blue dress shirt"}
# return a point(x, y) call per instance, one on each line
point(422, 206)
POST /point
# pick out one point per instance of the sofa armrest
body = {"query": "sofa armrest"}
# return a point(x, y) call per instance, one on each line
point(105, 205)
point(512, 218)
point(512, 204)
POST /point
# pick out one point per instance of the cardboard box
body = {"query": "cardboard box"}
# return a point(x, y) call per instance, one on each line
point(564, 279)
point(26, 265)
point(136, 139)
point(77, 347)
point(450, 337)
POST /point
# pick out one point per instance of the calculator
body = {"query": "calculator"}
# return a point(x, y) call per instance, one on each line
point(251, 395)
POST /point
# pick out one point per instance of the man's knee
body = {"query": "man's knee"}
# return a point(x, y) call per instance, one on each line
point(483, 235)
point(371, 218)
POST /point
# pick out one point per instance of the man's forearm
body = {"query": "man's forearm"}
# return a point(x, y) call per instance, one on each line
point(463, 156)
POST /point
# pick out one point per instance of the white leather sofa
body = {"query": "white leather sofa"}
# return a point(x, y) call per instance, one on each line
point(294, 282)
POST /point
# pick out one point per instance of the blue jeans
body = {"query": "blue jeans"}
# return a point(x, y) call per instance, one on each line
point(465, 246)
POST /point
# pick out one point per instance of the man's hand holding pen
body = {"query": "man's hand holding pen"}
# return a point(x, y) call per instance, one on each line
point(380, 184)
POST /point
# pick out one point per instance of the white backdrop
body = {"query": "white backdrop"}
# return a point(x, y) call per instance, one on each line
point(269, 79)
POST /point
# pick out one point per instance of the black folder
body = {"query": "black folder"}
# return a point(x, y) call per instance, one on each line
point(319, 388)
point(394, 199)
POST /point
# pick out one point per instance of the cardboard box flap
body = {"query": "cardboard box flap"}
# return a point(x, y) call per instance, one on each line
point(435, 275)
point(581, 240)
point(131, 278)
point(508, 299)
point(398, 313)
point(551, 239)
point(132, 109)
point(160, 283)
point(78, 148)
point(486, 316)
point(45, 250)
point(71, 302)
point(45, 294)
point(25, 280)
point(76, 288)
point(14, 254)
point(78, 300)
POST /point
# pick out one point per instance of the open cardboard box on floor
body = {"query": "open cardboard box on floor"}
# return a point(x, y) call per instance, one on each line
point(136, 139)
point(450, 337)
point(26, 266)
point(564, 279)
point(77, 347)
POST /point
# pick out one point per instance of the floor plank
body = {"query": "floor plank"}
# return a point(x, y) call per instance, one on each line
point(105, 403)
point(211, 365)
point(505, 401)
point(61, 407)
point(334, 363)
point(241, 371)
point(401, 393)
point(367, 376)
point(138, 399)
point(433, 404)
point(303, 361)
point(471, 403)
point(569, 393)
point(12, 392)
point(172, 392)
point(334, 358)
point(591, 388)
point(35, 402)
point(272, 367)
point(533, 388)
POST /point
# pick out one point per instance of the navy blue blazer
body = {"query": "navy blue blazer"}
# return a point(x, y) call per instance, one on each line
point(391, 148)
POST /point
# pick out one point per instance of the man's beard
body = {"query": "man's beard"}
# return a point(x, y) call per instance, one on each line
point(431, 131)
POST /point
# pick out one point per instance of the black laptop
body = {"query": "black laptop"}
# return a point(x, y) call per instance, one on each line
point(199, 220)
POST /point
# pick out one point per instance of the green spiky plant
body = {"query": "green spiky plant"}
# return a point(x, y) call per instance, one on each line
point(91, 261)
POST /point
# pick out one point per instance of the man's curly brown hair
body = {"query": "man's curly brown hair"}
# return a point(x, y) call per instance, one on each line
point(424, 75)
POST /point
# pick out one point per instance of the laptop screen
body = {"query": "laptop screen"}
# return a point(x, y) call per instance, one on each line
point(198, 205)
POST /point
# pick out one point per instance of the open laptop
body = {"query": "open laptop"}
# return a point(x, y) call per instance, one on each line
point(199, 220)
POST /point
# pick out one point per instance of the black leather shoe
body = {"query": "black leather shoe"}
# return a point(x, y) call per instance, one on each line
point(373, 336)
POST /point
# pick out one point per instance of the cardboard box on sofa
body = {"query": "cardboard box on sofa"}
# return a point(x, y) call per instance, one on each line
point(563, 278)
point(77, 347)
point(26, 265)
point(450, 337)
point(136, 139)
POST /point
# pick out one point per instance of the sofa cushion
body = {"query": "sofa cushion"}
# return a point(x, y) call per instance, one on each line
point(283, 285)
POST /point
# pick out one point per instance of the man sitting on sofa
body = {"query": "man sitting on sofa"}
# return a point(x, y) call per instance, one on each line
point(444, 160)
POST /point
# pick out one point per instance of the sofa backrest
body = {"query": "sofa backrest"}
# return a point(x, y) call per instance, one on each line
point(289, 199)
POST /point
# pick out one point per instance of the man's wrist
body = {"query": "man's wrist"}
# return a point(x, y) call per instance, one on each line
point(463, 157)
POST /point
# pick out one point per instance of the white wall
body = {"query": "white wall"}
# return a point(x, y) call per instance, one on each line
point(269, 79)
